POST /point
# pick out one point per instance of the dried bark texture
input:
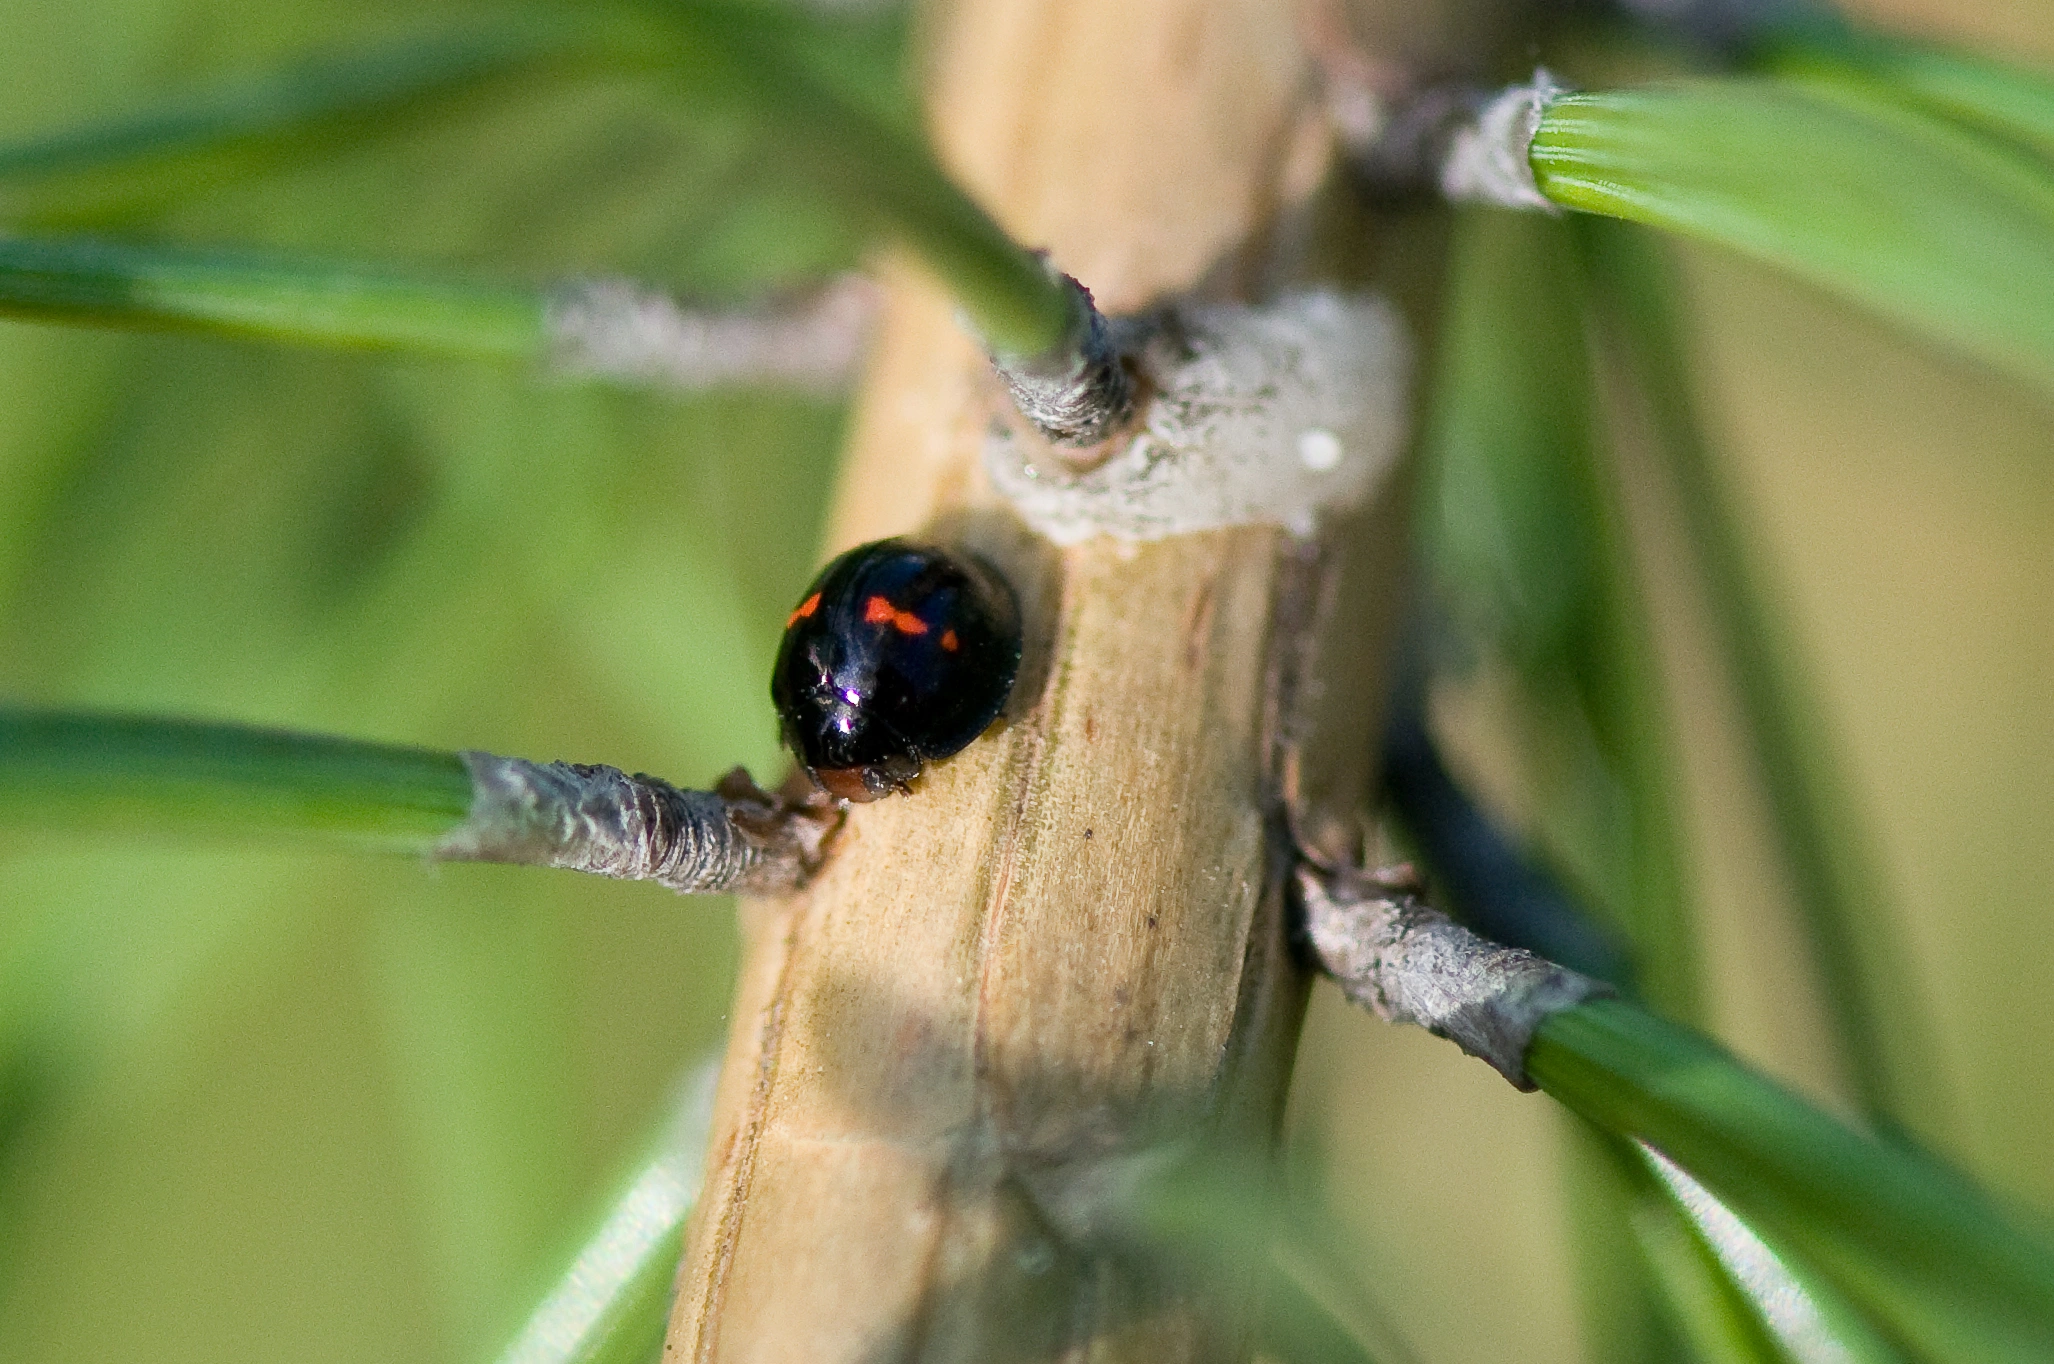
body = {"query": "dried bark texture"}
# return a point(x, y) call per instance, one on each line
point(1406, 962)
point(1061, 964)
point(600, 820)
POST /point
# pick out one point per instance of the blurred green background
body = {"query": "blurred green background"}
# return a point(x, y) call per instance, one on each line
point(274, 1101)
point(258, 1102)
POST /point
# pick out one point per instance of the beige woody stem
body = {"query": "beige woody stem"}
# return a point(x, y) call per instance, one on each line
point(1062, 964)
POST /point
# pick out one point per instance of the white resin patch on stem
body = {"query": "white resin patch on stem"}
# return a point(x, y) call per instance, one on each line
point(1276, 413)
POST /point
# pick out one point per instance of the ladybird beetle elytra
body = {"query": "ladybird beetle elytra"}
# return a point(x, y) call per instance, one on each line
point(900, 653)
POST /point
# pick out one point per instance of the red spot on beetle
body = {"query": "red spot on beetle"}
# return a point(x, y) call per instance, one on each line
point(806, 609)
point(878, 611)
point(949, 641)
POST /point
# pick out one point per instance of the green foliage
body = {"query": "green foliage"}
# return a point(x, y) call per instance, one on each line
point(1923, 222)
point(130, 772)
point(1911, 1240)
point(133, 163)
point(1773, 1303)
point(611, 1302)
point(1714, 1316)
point(448, 553)
point(364, 1102)
point(1825, 848)
point(1869, 194)
point(868, 165)
point(266, 299)
point(1528, 546)
point(2001, 98)
point(750, 61)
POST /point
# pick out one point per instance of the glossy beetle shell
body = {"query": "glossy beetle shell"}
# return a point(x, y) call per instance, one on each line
point(899, 653)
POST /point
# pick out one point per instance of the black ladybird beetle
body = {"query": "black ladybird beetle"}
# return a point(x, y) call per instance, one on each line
point(899, 653)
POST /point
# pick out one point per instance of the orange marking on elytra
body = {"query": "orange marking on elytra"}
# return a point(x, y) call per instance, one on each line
point(878, 611)
point(806, 609)
point(948, 640)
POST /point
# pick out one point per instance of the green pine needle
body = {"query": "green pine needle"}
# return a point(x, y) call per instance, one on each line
point(858, 160)
point(113, 169)
point(1909, 1240)
point(78, 770)
point(266, 297)
point(1836, 880)
point(740, 58)
point(611, 1301)
point(2008, 100)
point(1925, 223)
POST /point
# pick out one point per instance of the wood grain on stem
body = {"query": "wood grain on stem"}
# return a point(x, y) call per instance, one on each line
point(1061, 965)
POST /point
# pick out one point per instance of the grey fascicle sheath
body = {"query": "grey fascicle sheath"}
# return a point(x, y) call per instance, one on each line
point(1407, 963)
point(1077, 392)
point(598, 819)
